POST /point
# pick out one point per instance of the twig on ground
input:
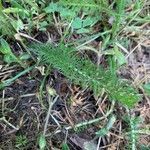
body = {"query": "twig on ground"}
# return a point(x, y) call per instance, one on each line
point(8, 123)
point(51, 103)
point(86, 122)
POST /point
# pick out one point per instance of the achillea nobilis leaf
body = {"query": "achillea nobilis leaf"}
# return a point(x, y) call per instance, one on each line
point(83, 72)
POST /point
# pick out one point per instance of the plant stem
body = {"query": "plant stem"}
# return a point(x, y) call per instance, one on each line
point(10, 81)
point(133, 133)
point(51, 103)
point(8, 123)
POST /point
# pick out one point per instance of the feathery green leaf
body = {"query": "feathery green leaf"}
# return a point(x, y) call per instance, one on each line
point(83, 72)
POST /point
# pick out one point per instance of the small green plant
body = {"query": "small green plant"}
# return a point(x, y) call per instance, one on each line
point(134, 131)
point(80, 129)
point(83, 72)
point(21, 142)
point(13, 18)
point(133, 136)
point(104, 131)
point(42, 142)
point(9, 56)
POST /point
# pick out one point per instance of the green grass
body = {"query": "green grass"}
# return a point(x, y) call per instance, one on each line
point(89, 48)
